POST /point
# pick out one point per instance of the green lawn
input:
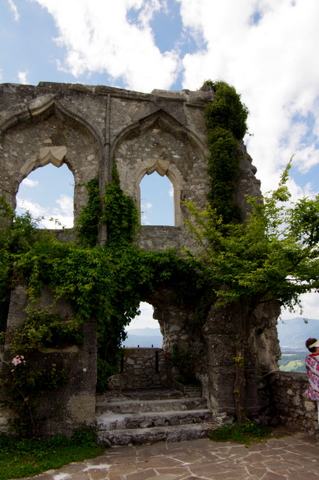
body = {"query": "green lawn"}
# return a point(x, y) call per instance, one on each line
point(26, 458)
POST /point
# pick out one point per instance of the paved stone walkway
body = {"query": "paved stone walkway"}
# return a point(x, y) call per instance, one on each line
point(291, 457)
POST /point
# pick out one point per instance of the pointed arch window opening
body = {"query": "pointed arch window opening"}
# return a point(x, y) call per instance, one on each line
point(47, 193)
point(157, 200)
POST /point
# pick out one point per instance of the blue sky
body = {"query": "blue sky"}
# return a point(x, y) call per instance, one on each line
point(267, 49)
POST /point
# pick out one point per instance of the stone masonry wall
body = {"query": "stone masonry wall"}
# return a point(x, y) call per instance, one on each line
point(89, 127)
point(289, 406)
point(63, 409)
point(140, 368)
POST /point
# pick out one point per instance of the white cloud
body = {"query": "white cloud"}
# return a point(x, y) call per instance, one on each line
point(146, 210)
point(266, 49)
point(66, 204)
point(171, 192)
point(33, 208)
point(145, 319)
point(310, 308)
point(99, 37)
point(270, 63)
point(14, 10)
point(51, 218)
point(22, 76)
point(27, 182)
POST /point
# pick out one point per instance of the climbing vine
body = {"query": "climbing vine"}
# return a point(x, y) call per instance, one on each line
point(121, 216)
point(226, 124)
point(88, 224)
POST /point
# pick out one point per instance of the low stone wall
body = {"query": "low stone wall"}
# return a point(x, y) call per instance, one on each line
point(140, 368)
point(289, 406)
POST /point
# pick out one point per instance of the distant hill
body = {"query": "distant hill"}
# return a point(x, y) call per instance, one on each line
point(293, 333)
point(144, 337)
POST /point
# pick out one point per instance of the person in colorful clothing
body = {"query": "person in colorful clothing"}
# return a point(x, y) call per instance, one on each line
point(312, 367)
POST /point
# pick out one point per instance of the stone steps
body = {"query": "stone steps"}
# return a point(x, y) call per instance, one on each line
point(139, 406)
point(155, 393)
point(110, 421)
point(139, 436)
point(148, 416)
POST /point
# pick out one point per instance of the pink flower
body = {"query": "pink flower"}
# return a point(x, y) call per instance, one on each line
point(17, 360)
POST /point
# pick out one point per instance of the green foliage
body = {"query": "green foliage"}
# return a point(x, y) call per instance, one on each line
point(226, 124)
point(17, 234)
point(88, 224)
point(246, 433)
point(43, 329)
point(121, 215)
point(26, 458)
point(305, 221)
point(272, 256)
point(227, 111)
point(115, 173)
point(239, 361)
point(223, 170)
point(85, 436)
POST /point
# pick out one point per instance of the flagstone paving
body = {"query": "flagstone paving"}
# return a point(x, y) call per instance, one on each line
point(290, 457)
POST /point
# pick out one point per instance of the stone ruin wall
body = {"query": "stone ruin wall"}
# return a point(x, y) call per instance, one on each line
point(89, 127)
point(141, 368)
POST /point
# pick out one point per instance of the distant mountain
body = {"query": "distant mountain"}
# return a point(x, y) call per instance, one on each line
point(293, 333)
point(143, 337)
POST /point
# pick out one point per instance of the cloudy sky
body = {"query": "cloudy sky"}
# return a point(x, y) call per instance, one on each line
point(267, 49)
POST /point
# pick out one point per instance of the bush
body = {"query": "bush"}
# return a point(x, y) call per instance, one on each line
point(26, 458)
point(247, 433)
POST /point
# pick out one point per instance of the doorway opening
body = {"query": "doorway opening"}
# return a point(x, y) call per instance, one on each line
point(144, 330)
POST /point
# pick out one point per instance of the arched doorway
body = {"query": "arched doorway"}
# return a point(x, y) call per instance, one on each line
point(144, 330)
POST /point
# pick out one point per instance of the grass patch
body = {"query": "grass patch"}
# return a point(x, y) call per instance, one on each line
point(246, 433)
point(26, 458)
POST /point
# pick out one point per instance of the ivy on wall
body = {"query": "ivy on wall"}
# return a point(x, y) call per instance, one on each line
point(226, 124)
point(88, 225)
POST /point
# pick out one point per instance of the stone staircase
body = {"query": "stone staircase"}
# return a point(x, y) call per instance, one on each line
point(151, 415)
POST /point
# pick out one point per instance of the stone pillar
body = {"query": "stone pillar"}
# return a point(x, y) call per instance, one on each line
point(254, 331)
point(62, 409)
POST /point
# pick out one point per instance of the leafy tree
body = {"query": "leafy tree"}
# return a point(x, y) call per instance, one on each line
point(273, 255)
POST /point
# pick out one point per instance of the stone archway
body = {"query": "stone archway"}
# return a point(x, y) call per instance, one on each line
point(160, 143)
point(50, 136)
